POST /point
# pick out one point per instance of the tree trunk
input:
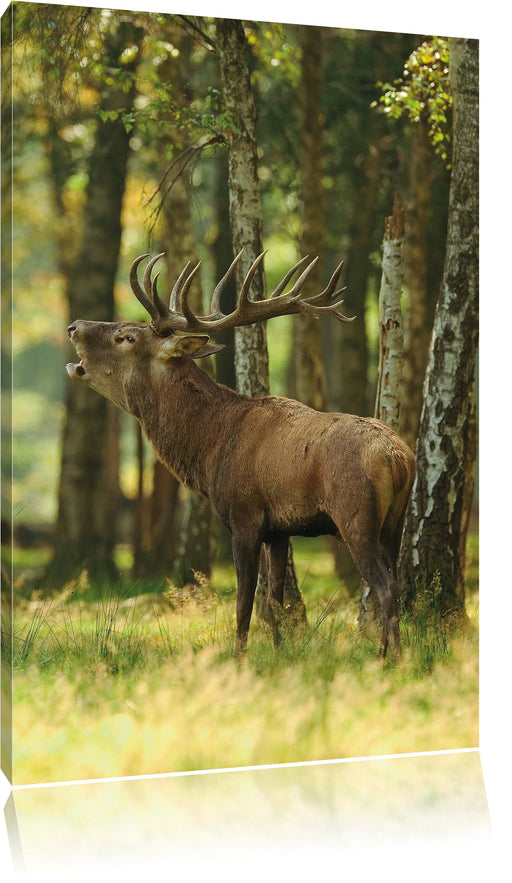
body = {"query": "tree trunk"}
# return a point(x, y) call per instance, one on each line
point(194, 552)
point(164, 510)
point(353, 340)
point(222, 253)
point(141, 522)
point(194, 544)
point(87, 491)
point(307, 347)
point(417, 325)
point(251, 355)
point(391, 340)
point(179, 542)
point(389, 377)
point(436, 525)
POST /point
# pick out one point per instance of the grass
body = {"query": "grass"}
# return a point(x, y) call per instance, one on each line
point(125, 685)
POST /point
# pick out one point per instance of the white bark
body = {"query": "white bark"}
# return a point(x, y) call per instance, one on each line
point(245, 212)
point(437, 517)
point(387, 403)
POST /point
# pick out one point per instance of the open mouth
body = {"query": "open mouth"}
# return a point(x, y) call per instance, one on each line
point(75, 369)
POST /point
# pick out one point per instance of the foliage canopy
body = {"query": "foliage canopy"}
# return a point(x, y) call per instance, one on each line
point(423, 93)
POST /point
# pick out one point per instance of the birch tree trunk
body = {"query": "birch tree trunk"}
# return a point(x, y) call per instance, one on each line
point(418, 319)
point(245, 211)
point(389, 378)
point(436, 525)
point(246, 218)
point(391, 338)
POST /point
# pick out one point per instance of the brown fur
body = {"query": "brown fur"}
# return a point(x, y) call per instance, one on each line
point(271, 467)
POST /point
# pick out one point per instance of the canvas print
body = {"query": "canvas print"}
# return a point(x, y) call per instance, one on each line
point(239, 411)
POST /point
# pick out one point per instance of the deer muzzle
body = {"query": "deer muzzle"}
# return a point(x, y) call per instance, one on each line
point(75, 369)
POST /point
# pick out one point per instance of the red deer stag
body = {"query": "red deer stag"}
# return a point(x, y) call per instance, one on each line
point(272, 467)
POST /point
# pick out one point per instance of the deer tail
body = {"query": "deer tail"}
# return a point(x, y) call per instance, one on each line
point(400, 469)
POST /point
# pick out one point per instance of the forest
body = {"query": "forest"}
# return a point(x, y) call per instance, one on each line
point(129, 133)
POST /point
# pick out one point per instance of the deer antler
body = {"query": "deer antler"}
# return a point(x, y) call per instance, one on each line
point(179, 316)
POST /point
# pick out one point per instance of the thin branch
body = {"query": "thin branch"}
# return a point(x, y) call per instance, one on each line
point(188, 157)
point(206, 39)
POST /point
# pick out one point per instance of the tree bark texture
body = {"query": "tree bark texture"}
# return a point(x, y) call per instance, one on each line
point(194, 552)
point(436, 522)
point(222, 255)
point(391, 340)
point(88, 487)
point(194, 544)
point(164, 522)
point(245, 211)
point(353, 344)
point(246, 218)
point(418, 318)
point(309, 370)
point(389, 375)
point(173, 537)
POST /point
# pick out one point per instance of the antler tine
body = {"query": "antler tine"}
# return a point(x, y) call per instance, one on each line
point(284, 281)
point(219, 288)
point(174, 296)
point(193, 323)
point(146, 279)
point(295, 292)
point(319, 305)
point(246, 284)
point(329, 293)
point(316, 312)
point(151, 288)
point(141, 296)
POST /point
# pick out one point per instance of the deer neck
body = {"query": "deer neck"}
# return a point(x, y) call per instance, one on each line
point(186, 416)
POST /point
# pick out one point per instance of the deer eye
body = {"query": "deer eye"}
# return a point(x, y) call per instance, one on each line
point(122, 337)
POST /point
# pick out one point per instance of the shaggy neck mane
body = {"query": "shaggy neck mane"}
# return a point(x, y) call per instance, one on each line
point(187, 416)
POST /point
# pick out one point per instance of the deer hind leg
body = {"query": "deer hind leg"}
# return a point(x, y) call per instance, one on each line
point(246, 557)
point(391, 538)
point(378, 572)
point(277, 559)
point(374, 570)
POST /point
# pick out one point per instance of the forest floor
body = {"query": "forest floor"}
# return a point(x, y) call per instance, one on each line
point(144, 684)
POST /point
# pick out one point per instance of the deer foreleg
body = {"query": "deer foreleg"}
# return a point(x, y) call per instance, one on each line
point(246, 558)
point(277, 560)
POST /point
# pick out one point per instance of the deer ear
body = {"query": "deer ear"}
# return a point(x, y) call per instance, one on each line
point(208, 350)
point(186, 345)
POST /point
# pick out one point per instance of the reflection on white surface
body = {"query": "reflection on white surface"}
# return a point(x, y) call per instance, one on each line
point(284, 811)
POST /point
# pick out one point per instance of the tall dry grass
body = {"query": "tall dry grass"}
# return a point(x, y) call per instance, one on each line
point(149, 684)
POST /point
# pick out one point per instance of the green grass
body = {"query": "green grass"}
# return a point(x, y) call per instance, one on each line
point(147, 682)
